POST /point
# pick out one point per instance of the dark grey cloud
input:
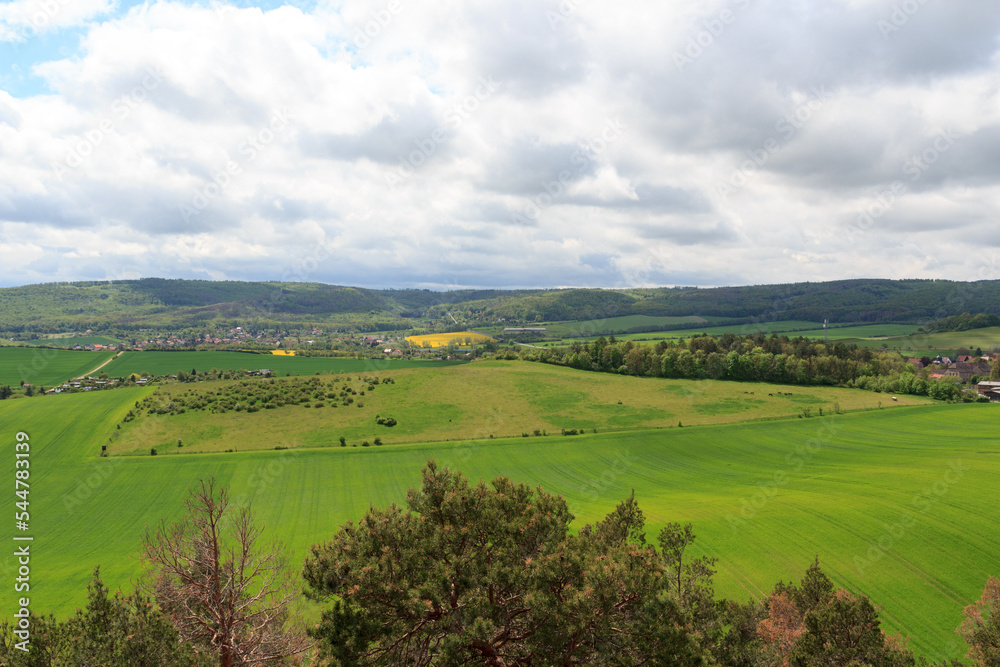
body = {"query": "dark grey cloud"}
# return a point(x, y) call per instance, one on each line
point(525, 166)
point(687, 233)
point(518, 44)
point(390, 141)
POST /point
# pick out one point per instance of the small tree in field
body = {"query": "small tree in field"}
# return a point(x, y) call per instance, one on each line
point(224, 591)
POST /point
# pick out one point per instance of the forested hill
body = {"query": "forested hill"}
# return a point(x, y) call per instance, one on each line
point(156, 302)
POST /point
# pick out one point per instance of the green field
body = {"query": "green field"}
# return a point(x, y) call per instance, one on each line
point(491, 398)
point(167, 363)
point(70, 341)
point(861, 331)
point(46, 366)
point(900, 337)
point(609, 325)
point(765, 497)
point(671, 333)
point(988, 339)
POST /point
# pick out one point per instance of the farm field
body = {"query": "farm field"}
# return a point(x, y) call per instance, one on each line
point(764, 498)
point(457, 338)
point(484, 399)
point(167, 363)
point(987, 339)
point(46, 366)
point(620, 324)
point(862, 331)
point(70, 341)
point(614, 325)
point(790, 328)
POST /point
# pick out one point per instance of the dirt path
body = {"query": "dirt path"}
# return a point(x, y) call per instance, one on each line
point(99, 367)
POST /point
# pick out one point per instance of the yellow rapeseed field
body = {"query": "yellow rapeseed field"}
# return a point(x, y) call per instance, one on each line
point(284, 353)
point(444, 339)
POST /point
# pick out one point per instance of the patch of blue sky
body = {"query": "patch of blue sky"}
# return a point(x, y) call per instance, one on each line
point(18, 58)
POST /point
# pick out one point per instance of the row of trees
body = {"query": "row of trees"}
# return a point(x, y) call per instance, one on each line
point(755, 358)
point(489, 574)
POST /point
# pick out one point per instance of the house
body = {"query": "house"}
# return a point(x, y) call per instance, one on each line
point(964, 358)
point(915, 362)
point(987, 388)
point(965, 371)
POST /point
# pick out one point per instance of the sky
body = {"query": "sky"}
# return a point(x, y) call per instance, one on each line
point(500, 143)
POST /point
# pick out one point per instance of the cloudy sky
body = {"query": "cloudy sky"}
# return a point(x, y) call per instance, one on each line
point(506, 143)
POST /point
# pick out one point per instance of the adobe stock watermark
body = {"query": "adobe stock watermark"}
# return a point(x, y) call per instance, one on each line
point(223, 178)
point(564, 11)
point(581, 160)
point(786, 128)
point(921, 504)
point(901, 14)
point(380, 20)
point(594, 486)
point(121, 109)
point(268, 473)
point(915, 167)
point(797, 459)
point(35, 22)
point(428, 146)
point(712, 29)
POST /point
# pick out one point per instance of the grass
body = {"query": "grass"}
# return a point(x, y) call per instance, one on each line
point(59, 340)
point(494, 398)
point(862, 331)
point(847, 483)
point(167, 363)
point(898, 337)
point(788, 327)
point(445, 339)
point(46, 366)
point(607, 325)
point(618, 324)
point(949, 341)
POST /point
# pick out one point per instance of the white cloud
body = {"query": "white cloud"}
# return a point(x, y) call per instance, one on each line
point(428, 148)
point(23, 19)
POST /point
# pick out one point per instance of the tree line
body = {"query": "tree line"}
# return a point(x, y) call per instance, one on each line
point(754, 358)
point(486, 574)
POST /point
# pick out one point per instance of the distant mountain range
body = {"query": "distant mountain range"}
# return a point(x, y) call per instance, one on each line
point(129, 305)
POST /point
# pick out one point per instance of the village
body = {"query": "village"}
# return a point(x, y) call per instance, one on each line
point(966, 368)
point(241, 338)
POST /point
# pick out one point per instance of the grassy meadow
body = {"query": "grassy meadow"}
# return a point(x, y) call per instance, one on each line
point(790, 328)
point(60, 340)
point(168, 363)
point(481, 400)
point(46, 366)
point(900, 504)
point(946, 342)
